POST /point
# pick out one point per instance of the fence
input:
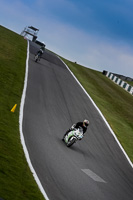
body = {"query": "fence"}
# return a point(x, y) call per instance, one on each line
point(120, 82)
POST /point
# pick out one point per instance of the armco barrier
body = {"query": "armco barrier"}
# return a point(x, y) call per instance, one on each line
point(120, 82)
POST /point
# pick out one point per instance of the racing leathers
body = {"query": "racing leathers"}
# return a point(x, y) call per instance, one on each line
point(77, 125)
point(41, 50)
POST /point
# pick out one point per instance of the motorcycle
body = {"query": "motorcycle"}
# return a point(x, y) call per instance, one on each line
point(37, 57)
point(73, 136)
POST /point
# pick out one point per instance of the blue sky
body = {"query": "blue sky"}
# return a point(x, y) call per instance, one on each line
point(95, 33)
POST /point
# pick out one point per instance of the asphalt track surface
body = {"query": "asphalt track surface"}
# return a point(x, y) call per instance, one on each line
point(92, 169)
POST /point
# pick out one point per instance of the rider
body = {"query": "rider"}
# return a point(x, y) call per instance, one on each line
point(83, 124)
point(41, 50)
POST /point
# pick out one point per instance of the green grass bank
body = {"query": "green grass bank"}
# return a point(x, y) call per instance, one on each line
point(16, 180)
point(114, 102)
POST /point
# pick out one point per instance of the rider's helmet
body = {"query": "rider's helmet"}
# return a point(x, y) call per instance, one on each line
point(42, 47)
point(85, 123)
point(43, 44)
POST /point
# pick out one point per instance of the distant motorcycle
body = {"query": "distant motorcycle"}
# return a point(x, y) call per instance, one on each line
point(38, 55)
point(73, 136)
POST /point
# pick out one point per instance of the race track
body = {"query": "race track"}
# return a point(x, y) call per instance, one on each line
point(92, 169)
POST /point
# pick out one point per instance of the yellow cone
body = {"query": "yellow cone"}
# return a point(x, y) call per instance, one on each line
point(14, 107)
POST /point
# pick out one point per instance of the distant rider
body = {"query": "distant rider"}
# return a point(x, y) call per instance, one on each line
point(83, 125)
point(41, 50)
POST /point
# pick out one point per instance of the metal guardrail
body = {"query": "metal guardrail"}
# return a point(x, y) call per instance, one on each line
point(120, 82)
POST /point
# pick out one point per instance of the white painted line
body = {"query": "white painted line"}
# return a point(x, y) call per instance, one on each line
point(122, 83)
point(21, 130)
point(101, 115)
point(131, 91)
point(92, 175)
point(111, 76)
point(115, 78)
point(118, 81)
point(107, 74)
point(127, 86)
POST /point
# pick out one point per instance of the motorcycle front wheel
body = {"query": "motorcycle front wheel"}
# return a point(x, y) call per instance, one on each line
point(71, 141)
point(36, 58)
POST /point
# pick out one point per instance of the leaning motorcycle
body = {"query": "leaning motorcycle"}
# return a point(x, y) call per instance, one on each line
point(37, 57)
point(73, 136)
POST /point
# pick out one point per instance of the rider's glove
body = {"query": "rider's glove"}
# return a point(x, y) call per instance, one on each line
point(73, 126)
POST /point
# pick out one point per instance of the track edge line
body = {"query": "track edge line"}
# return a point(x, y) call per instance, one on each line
point(21, 129)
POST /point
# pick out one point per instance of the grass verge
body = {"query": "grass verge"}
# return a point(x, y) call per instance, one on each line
point(114, 102)
point(16, 180)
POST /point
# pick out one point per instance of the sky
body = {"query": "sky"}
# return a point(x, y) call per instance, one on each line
point(94, 33)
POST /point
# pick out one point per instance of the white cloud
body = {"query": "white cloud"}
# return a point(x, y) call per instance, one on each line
point(89, 50)
point(69, 42)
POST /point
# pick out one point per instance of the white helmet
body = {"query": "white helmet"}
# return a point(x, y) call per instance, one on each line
point(86, 122)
